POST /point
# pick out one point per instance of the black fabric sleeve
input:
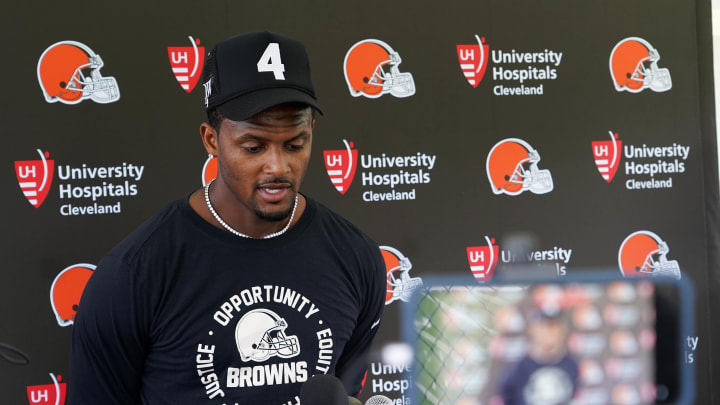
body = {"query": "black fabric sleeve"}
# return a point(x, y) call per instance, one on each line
point(353, 362)
point(109, 340)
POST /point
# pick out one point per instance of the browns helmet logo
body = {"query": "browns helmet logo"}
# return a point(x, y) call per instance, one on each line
point(66, 290)
point(512, 167)
point(371, 70)
point(260, 334)
point(400, 285)
point(209, 170)
point(634, 67)
point(69, 72)
point(643, 253)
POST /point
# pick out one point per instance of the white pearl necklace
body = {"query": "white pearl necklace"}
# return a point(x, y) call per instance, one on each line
point(240, 234)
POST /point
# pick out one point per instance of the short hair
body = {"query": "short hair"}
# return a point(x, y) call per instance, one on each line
point(215, 117)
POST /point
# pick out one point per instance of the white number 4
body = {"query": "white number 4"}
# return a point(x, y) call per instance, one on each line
point(270, 61)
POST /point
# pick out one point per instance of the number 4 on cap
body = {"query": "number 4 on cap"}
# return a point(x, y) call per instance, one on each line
point(270, 61)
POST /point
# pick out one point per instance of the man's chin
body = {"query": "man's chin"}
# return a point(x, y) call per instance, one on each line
point(273, 216)
point(274, 213)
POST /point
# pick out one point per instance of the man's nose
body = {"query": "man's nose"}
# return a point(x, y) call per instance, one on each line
point(276, 162)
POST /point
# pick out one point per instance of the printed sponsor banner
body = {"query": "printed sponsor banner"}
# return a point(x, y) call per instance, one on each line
point(379, 172)
point(644, 254)
point(634, 67)
point(69, 72)
point(187, 63)
point(79, 183)
point(372, 70)
point(400, 285)
point(48, 394)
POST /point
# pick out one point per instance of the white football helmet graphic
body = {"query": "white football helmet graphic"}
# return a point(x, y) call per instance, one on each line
point(512, 167)
point(548, 386)
point(400, 285)
point(69, 72)
point(643, 253)
point(260, 334)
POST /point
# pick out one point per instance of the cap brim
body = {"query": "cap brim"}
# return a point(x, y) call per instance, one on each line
point(250, 104)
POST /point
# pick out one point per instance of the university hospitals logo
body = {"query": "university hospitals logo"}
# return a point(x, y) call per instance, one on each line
point(340, 166)
point(187, 63)
point(644, 254)
point(646, 166)
point(35, 177)
point(400, 285)
point(515, 72)
point(48, 394)
point(607, 156)
point(396, 172)
point(83, 189)
point(483, 260)
point(66, 290)
point(473, 60)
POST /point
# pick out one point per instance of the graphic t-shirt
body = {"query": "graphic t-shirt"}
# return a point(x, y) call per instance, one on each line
point(182, 312)
point(534, 383)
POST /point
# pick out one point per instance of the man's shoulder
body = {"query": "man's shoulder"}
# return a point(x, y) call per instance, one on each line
point(340, 227)
point(161, 228)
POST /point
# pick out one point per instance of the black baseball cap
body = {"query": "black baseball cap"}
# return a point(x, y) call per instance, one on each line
point(249, 73)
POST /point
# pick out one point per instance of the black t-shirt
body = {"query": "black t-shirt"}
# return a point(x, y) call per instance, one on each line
point(182, 312)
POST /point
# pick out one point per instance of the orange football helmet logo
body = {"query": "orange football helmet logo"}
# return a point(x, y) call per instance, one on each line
point(643, 253)
point(512, 168)
point(66, 290)
point(634, 68)
point(400, 285)
point(69, 72)
point(371, 70)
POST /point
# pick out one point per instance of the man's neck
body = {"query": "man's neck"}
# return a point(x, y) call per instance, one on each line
point(251, 225)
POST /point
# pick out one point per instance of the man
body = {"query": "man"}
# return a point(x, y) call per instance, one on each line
point(547, 374)
point(243, 291)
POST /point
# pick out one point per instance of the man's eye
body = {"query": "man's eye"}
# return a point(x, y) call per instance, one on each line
point(294, 146)
point(252, 149)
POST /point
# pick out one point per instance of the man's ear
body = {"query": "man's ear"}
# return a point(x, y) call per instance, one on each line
point(209, 138)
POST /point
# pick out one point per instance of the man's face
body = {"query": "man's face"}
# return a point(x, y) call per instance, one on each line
point(262, 161)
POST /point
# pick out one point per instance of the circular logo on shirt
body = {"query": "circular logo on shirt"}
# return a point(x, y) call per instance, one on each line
point(277, 336)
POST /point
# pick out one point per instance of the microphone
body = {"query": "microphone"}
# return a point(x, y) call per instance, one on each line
point(379, 400)
point(323, 389)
